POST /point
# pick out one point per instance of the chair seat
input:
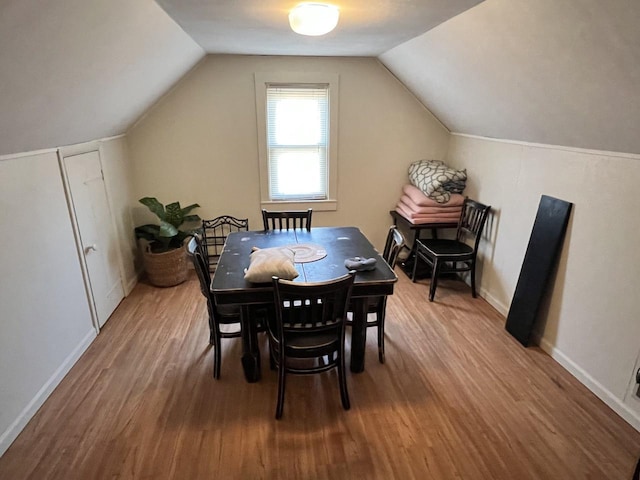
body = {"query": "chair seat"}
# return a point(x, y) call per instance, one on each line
point(229, 311)
point(298, 345)
point(446, 247)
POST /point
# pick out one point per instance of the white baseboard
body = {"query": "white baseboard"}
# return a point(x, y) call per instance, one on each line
point(494, 302)
point(588, 381)
point(11, 433)
point(130, 284)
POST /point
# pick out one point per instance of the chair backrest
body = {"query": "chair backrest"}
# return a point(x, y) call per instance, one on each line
point(395, 242)
point(311, 307)
point(287, 220)
point(194, 248)
point(472, 220)
point(214, 234)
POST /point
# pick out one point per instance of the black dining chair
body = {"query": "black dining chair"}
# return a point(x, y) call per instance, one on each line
point(309, 326)
point(454, 255)
point(377, 306)
point(214, 234)
point(226, 315)
point(287, 220)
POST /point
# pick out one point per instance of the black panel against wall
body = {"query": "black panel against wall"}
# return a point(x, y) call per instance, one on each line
point(540, 259)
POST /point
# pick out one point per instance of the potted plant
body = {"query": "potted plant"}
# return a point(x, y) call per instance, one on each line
point(165, 257)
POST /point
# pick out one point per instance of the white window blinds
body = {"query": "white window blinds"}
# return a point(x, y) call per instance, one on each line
point(297, 141)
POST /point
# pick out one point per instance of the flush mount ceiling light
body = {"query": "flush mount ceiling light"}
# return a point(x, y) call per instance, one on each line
point(313, 18)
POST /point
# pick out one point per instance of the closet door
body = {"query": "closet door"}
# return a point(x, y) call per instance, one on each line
point(96, 231)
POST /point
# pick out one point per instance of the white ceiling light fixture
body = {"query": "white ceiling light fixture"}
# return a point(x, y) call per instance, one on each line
point(313, 18)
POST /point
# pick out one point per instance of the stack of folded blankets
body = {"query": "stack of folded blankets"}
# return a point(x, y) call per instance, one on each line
point(418, 208)
point(435, 193)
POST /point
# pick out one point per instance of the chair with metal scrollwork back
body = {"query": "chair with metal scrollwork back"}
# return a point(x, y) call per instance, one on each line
point(214, 234)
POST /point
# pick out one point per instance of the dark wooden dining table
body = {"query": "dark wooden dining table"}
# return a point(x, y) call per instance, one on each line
point(229, 287)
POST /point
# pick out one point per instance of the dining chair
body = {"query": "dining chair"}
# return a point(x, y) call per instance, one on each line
point(309, 326)
point(454, 255)
point(227, 315)
point(214, 234)
point(377, 306)
point(287, 220)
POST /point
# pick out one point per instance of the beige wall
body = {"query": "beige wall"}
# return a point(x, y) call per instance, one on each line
point(116, 164)
point(592, 325)
point(199, 144)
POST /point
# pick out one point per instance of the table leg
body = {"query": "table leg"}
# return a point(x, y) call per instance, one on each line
point(250, 348)
point(358, 334)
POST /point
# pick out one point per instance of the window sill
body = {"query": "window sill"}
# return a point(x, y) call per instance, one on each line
point(316, 205)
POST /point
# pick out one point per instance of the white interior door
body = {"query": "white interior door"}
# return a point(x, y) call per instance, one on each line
point(97, 232)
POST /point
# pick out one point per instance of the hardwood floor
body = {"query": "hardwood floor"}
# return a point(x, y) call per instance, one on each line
point(457, 398)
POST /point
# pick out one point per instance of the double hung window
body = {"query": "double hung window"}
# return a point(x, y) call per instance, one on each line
point(297, 133)
point(297, 141)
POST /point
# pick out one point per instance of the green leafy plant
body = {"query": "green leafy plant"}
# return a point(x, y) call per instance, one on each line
point(167, 235)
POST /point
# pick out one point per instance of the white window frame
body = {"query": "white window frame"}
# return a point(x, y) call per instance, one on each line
point(262, 80)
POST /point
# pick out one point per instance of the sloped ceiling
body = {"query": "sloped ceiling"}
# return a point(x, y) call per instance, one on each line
point(261, 27)
point(561, 72)
point(79, 70)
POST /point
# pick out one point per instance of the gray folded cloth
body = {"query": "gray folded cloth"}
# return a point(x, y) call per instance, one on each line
point(360, 264)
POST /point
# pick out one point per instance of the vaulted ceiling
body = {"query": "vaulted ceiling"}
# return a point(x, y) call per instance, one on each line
point(562, 72)
point(261, 27)
point(79, 70)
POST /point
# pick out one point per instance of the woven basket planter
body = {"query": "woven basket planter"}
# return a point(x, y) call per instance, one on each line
point(166, 269)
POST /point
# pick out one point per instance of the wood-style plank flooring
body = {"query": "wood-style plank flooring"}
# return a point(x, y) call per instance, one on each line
point(457, 399)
